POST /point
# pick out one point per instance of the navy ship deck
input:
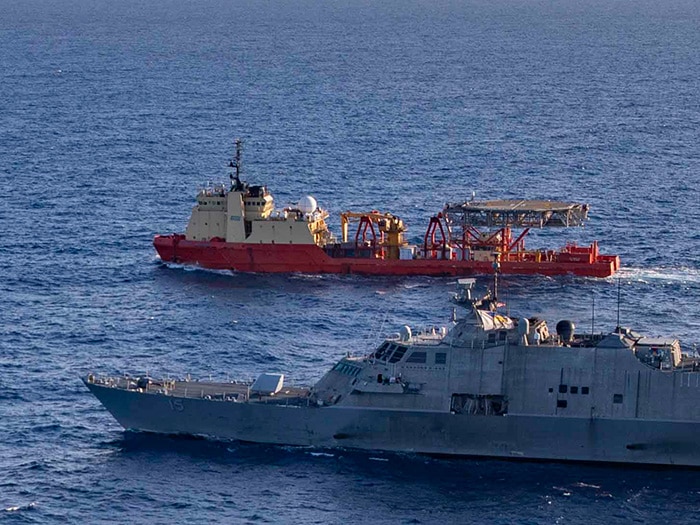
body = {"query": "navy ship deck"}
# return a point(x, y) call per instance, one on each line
point(228, 391)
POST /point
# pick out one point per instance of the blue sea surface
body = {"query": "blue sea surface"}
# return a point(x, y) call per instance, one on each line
point(112, 114)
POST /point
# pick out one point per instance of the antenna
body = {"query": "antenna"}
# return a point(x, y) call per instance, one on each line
point(618, 304)
point(593, 316)
point(508, 302)
point(496, 271)
point(235, 164)
point(239, 150)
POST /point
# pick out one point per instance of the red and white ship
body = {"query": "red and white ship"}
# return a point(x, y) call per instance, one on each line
point(238, 229)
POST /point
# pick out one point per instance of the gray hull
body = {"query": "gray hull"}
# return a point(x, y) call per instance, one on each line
point(509, 436)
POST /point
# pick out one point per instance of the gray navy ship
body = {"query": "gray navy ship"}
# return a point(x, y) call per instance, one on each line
point(492, 385)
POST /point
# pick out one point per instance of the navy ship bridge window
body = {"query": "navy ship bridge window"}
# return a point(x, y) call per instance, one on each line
point(381, 351)
point(398, 354)
point(440, 358)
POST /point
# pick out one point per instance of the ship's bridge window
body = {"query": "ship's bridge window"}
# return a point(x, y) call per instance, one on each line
point(398, 354)
point(440, 358)
point(502, 335)
point(492, 338)
point(416, 357)
point(389, 350)
point(381, 351)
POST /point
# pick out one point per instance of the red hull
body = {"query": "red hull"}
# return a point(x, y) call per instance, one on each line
point(309, 258)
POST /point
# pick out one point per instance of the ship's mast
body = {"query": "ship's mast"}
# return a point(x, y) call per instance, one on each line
point(496, 272)
point(618, 304)
point(235, 164)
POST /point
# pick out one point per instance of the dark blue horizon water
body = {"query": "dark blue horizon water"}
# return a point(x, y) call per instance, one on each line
point(113, 113)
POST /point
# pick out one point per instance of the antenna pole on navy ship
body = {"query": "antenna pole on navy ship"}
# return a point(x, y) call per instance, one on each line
point(496, 270)
point(593, 316)
point(618, 304)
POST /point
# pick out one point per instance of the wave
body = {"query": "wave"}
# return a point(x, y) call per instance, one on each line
point(189, 267)
point(19, 508)
point(659, 274)
point(12, 395)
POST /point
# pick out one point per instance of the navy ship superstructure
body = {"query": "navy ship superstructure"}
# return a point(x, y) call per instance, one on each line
point(490, 385)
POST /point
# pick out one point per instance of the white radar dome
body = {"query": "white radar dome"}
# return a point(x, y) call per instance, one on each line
point(307, 204)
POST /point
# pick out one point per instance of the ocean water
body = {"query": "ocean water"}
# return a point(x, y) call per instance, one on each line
point(113, 113)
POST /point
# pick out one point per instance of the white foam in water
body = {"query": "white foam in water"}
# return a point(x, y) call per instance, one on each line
point(16, 508)
point(322, 454)
point(191, 268)
point(646, 275)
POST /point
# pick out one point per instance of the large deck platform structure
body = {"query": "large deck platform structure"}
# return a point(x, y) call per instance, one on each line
point(483, 230)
